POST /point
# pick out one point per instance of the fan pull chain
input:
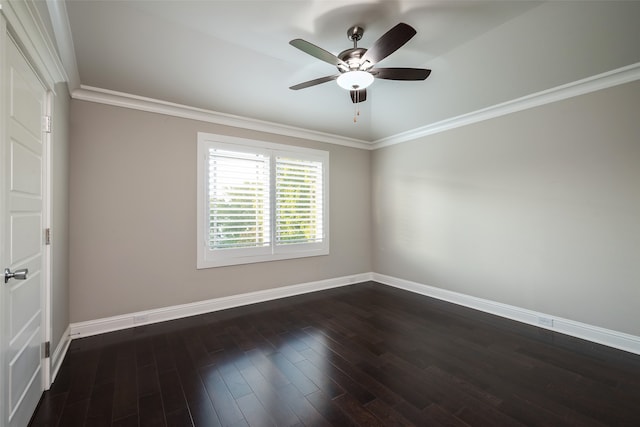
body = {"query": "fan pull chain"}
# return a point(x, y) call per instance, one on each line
point(356, 111)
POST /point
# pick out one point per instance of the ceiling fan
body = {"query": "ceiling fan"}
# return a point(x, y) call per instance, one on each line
point(357, 65)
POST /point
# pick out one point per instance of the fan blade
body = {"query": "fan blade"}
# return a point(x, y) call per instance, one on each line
point(318, 52)
point(358, 95)
point(314, 82)
point(401, 73)
point(390, 41)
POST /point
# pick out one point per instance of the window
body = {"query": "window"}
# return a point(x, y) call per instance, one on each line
point(259, 201)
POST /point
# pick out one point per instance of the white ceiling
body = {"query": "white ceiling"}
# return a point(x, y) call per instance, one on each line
point(233, 57)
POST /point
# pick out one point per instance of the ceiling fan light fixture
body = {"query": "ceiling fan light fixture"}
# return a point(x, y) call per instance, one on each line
point(355, 80)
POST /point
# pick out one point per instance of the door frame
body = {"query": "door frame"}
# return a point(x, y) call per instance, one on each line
point(22, 22)
point(47, 291)
point(11, 26)
point(3, 153)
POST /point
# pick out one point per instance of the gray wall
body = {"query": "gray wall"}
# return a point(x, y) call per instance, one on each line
point(538, 209)
point(133, 212)
point(60, 215)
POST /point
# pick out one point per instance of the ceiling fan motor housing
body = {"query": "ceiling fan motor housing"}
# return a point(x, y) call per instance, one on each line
point(351, 57)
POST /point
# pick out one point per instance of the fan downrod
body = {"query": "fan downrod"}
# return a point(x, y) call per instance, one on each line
point(352, 56)
point(355, 34)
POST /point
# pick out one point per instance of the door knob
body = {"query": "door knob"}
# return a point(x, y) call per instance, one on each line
point(18, 274)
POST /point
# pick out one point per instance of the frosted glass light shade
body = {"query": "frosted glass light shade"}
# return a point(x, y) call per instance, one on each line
point(355, 80)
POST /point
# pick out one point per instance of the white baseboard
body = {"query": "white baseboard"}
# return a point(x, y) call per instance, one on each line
point(591, 333)
point(619, 340)
point(59, 353)
point(109, 324)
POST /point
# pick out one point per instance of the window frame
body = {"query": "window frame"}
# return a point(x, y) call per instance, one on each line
point(210, 258)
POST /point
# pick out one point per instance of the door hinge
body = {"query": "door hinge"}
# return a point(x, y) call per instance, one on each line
point(47, 349)
point(46, 124)
point(47, 236)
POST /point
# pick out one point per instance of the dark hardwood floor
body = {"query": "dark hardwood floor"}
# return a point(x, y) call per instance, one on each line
point(364, 355)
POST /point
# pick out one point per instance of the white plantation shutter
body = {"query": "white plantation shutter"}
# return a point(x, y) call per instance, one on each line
point(259, 201)
point(299, 201)
point(239, 202)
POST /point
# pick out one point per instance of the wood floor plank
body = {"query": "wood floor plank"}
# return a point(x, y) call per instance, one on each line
point(293, 374)
point(204, 415)
point(329, 410)
point(100, 405)
point(131, 421)
point(179, 418)
point(305, 412)
point(356, 411)
point(234, 380)
point(125, 399)
point(163, 353)
point(267, 393)
point(196, 349)
point(436, 415)
point(171, 390)
point(282, 343)
point(320, 378)
point(148, 382)
point(82, 377)
point(267, 369)
point(387, 415)
point(400, 383)
point(106, 369)
point(222, 399)
point(49, 410)
point(368, 382)
point(255, 414)
point(74, 414)
point(151, 411)
point(144, 352)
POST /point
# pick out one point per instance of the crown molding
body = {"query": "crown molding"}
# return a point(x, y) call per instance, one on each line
point(64, 41)
point(120, 99)
point(591, 84)
point(580, 87)
point(27, 27)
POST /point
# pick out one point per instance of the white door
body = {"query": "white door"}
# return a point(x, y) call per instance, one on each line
point(21, 188)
